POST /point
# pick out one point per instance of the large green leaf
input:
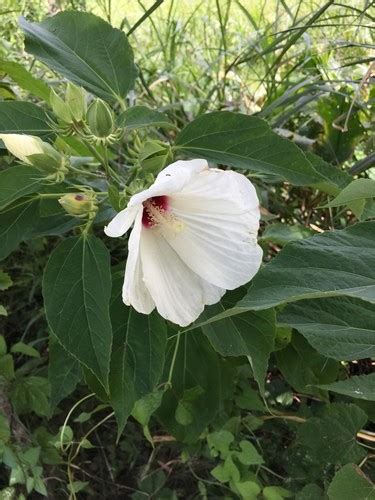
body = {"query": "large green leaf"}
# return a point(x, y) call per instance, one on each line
point(64, 372)
point(16, 224)
point(304, 368)
point(25, 79)
point(201, 381)
point(338, 327)
point(18, 117)
point(247, 142)
point(332, 437)
point(17, 182)
point(250, 334)
point(350, 483)
point(361, 387)
point(141, 116)
point(86, 50)
point(76, 290)
point(331, 264)
point(137, 361)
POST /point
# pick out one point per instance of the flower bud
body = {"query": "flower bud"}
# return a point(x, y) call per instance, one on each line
point(154, 155)
point(100, 119)
point(33, 151)
point(75, 98)
point(79, 204)
point(60, 108)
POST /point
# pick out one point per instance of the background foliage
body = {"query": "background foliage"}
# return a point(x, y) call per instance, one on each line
point(270, 394)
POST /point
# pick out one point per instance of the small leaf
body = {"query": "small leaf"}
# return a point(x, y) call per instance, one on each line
point(5, 281)
point(141, 116)
point(26, 349)
point(281, 234)
point(359, 189)
point(31, 395)
point(219, 442)
point(249, 490)
point(226, 471)
point(248, 454)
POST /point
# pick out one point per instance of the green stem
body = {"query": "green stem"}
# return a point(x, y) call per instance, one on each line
point(173, 362)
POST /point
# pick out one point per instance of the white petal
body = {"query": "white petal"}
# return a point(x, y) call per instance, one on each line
point(22, 146)
point(134, 291)
point(122, 221)
point(220, 216)
point(171, 180)
point(179, 294)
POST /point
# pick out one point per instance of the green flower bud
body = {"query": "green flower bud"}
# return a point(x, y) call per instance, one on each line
point(100, 119)
point(60, 108)
point(154, 156)
point(79, 204)
point(75, 98)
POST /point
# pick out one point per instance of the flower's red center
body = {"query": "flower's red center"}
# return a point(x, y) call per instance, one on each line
point(153, 209)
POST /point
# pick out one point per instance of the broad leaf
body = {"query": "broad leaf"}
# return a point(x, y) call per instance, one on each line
point(64, 372)
point(250, 334)
point(361, 387)
point(341, 328)
point(201, 381)
point(247, 142)
point(16, 224)
point(17, 182)
point(141, 116)
point(86, 50)
point(18, 117)
point(138, 352)
point(332, 437)
point(25, 79)
point(350, 483)
point(76, 290)
point(305, 368)
point(359, 189)
point(332, 264)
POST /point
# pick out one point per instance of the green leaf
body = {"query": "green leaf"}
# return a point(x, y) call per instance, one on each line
point(18, 117)
point(64, 372)
point(332, 438)
point(249, 490)
point(247, 142)
point(351, 483)
point(251, 334)
point(30, 394)
point(25, 79)
point(18, 181)
point(338, 327)
point(141, 116)
point(137, 359)
point(4, 429)
point(359, 189)
point(76, 290)
point(303, 367)
point(281, 234)
point(310, 492)
point(361, 387)
point(276, 493)
point(226, 471)
point(25, 349)
point(248, 454)
point(16, 223)
point(331, 264)
point(5, 281)
point(197, 365)
point(86, 50)
point(219, 443)
point(3, 311)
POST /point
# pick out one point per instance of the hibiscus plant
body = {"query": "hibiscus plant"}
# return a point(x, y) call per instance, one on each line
point(178, 319)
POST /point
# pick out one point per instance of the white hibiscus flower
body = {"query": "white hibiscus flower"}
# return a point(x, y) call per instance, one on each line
point(194, 237)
